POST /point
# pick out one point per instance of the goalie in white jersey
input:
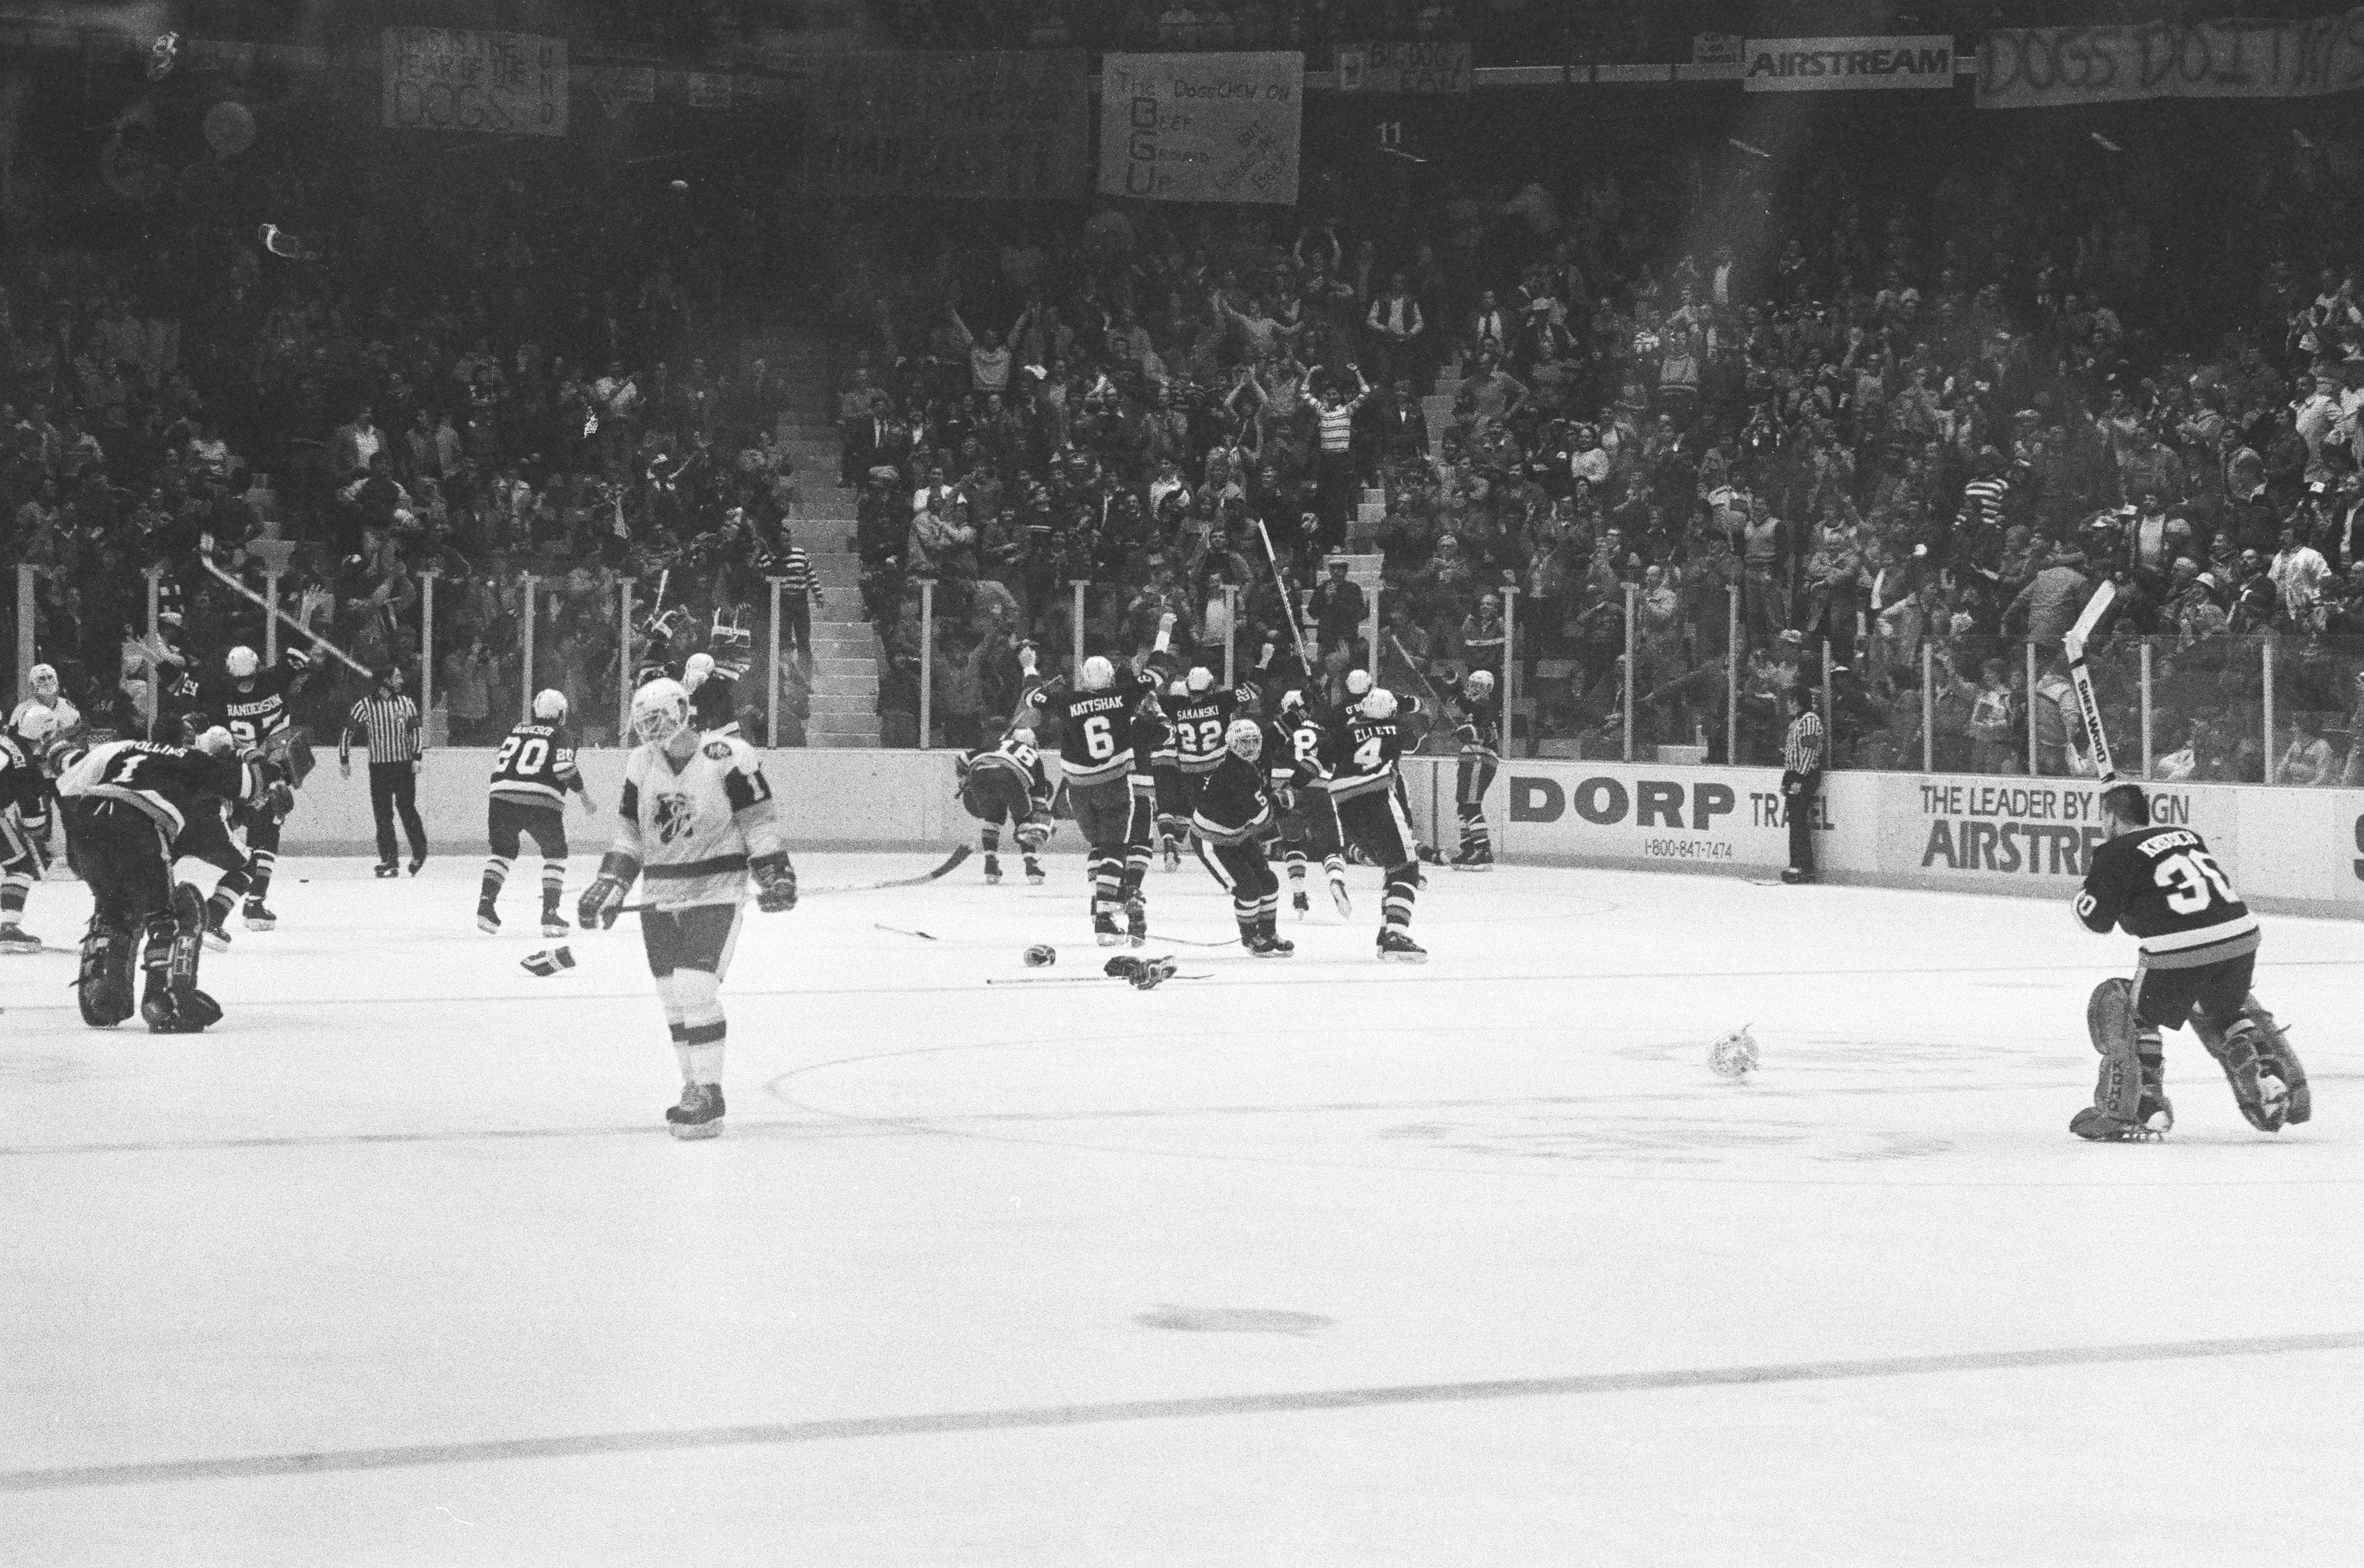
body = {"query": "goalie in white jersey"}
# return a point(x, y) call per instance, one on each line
point(698, 826)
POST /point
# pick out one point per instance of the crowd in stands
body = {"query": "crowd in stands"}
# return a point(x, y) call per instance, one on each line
point(418, 367)
point(1872, 416)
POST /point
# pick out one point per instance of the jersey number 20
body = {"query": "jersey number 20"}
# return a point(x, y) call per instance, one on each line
point(529, 757)
point(2193, 879)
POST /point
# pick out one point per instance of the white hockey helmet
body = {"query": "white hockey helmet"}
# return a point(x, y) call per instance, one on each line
point(1378, 703)
point(1479, 684)
point(1178, 687)
point(44, 681)
point(215, 743)
point(696, 669)
point(1096, 675)
point(1291, 703)
point(1201, 678)
point(1357, 682)
point(550, 703)
point(1023, 735)
point(241, 662)
point(660, 711)
point(35, 727)
point(1245, 738)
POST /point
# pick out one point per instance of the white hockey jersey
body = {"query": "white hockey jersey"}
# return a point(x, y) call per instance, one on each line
point(692, 826)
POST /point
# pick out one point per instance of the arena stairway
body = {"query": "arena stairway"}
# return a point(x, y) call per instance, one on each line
point(844, 675)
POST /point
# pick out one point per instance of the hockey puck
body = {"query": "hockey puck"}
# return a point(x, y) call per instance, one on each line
point(1041, 955)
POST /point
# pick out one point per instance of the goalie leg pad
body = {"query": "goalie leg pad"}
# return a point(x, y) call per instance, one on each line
point(2127, 1101)
point(2255, 1055)
point(103, 985)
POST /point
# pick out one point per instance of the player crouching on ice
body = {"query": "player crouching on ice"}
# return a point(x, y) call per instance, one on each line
point(2198, 946)
point(698, 823)
point(1008, 781)
point(1233, 816)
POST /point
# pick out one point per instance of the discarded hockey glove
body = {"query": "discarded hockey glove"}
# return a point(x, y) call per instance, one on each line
point(775, 883)
point(548, 961)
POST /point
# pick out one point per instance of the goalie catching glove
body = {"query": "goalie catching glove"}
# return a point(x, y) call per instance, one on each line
point(604, 899)
point(775, 883)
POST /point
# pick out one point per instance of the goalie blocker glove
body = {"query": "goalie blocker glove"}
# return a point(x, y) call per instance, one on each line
point(775, 883)
point(604, 899)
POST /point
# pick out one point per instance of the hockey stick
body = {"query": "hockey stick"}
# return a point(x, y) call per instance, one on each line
point(243, 591)
point(1287, 599)
point(1189, 942)
point(2074, 646)
point(954, 859)
point(902, 930)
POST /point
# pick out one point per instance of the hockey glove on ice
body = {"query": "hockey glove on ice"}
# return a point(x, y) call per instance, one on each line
point(775, 883)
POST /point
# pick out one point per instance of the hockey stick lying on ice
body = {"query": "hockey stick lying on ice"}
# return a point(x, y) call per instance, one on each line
point(2074, 646)
point(951, 862)
point(243, 591)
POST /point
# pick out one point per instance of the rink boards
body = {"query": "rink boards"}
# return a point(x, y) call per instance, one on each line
point(2296, 850)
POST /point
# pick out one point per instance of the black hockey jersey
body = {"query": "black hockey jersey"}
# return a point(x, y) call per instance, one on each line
point(1478, 723)
point(170, 783)
point(2163, 887)
point(1200, 720)
point(1015, 758)
point(1359, 755)
point(253, 710)
point(714, 706)
point(535, 765)
point(22, 788)
point(1097, 736)
point(1235, 803)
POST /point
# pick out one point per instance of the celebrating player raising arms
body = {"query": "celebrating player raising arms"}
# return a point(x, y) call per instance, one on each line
point(1005, 783)
point(1099, 750)
point(1359, 753)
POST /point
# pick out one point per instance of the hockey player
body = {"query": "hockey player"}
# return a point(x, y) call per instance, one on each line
point(44, 713)
point(251, 702)
point(1165, 777)
point(1359, 755)
point(713, 696)
point(24, 823)
point(1307, 823)
point(1235, 815)
point(1201, 716)
point(1006, 782)
point(1477, 722)
point(124, 803)
point(533, 773)
point(1100, 751)
point(2198, 946)
point(697, 824)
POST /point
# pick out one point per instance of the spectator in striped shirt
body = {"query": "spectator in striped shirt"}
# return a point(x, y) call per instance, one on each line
point(1983, 496)
point(1801, 781)
point(389, 721)
point(1335, 420)
point(799, 592)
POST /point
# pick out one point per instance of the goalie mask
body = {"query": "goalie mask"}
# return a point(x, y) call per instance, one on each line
point(45, 683)
point(660, 712)
point(1245, 738)
point(242, 663)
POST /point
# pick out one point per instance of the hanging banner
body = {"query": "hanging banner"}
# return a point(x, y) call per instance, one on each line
point(1009, 124)
point(1417, 68)
point(2035, 68)
point(1836, 65)
point(1201, 128)
point(442, 79)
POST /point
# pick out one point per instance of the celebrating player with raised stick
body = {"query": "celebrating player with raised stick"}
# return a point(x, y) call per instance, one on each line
point(698, 823)
point(2198, 946)
point(1359, 755)
point(1099, 750)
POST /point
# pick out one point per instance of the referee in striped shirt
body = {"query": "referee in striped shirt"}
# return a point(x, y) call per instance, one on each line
point(390, 721)
point(1802, 780)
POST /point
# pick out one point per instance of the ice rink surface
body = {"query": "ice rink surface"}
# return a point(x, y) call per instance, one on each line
point(1308, 1261)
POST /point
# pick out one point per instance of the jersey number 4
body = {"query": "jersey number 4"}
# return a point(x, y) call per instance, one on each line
point(1366, 755)
point(2193, 879)
point(529, 757)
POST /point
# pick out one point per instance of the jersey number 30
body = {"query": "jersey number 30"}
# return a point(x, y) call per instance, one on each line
point(2193, 879)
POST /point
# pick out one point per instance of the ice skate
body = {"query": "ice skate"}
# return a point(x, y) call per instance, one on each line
point(1173, 852)
point(416, 861)
point(259, 918)
point(15, 939)
point(1265, 941)
point(1104, 930)
point(1299, 901)
point(488, 919)
point(1792, 878)
point(699, 1114)
point(1033, 871)
point(554, 924)
point(216, 937)
point(992, 869)
point(1339, 896)
point(1396, 945)
point(386, 868)
point(1136, 921)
